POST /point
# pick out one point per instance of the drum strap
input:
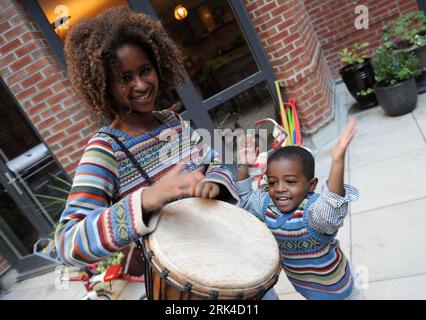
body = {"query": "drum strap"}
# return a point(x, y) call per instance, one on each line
point(131, 158)
point(139, 168)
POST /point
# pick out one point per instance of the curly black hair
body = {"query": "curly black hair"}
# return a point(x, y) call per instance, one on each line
point(91, 46)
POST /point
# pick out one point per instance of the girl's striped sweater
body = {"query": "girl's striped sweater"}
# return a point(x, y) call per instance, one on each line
point(103, 213)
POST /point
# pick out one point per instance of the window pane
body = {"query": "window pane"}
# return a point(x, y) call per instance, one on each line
point(15, 226)
point(169, 101)
point(63, 14)
point(16, 136)
point(214, 49)
point(242, 111)
point(245, 109)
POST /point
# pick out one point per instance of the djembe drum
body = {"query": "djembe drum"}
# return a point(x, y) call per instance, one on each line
point(209, 249)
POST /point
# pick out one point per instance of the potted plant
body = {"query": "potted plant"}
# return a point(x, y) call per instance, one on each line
point(395, 89)
point(358, 75)
point(408, 33)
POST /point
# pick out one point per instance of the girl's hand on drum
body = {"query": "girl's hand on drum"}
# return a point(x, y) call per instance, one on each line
point(177, 183)
point(248, 152)
point(207, 190)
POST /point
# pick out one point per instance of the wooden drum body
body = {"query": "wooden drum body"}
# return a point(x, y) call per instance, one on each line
point(209, 249)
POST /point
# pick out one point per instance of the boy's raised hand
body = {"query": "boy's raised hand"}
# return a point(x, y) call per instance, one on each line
point(336, 176)
point(248, 152)
point(339, 150)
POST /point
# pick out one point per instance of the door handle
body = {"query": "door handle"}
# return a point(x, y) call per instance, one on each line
point(12, 181)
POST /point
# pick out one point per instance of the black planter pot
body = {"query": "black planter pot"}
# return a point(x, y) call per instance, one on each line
point(398, 99)
point(420, 53)
point(357, 78)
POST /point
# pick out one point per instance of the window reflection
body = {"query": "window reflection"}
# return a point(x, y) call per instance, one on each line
point(63, 14)
point(169, 101)
point(15, 134)
point(242, 111)
point(15, 225)
point(214, 50)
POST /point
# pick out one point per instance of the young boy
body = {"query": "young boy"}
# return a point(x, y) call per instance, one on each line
point(303, 222)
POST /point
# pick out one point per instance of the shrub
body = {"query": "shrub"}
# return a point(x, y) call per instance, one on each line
point(391, 67)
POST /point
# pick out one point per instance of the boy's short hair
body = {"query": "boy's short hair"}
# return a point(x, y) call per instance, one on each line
point(299, 154)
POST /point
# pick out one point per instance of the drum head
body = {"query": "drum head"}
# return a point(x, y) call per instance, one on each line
point(214, 244)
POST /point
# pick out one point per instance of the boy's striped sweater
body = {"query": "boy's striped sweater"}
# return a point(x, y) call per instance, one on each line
point(312, 260)
point(103, 213)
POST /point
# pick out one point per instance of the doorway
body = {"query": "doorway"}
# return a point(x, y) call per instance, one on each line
point(28, 173)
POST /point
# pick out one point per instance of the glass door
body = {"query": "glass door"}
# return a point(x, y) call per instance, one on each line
point(28, 173)
point(230, 81)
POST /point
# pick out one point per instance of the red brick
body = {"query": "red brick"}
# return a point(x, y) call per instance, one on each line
point(265, 9)
point(71, 168)
point(51, 111)
point(62, 125)
point(11, 46)
point(77, 127)
point(10, 58)
point(16, 77)
point(35, 66)
point(4, 26)
point(48, 82)
point(42, 96)
point(71, 139)
point(65, 152)
point(69, 110)
point(76, 156)
point(32, 80)
point(15, 32)
point(35, 120)
point(21, 63)
point(25, 94)
point(58, 97)
point(47, 122)
point(55, 138)
point(27, 48)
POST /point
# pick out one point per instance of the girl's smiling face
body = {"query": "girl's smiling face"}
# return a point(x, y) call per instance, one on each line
point(288, 185)
point(137, 86)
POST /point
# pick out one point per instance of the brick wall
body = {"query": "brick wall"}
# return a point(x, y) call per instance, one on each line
point(38, 82)
point(333, 21)
point(289, 38)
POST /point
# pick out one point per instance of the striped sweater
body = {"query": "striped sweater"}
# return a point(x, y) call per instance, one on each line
point(311, 259)
point(103, 213)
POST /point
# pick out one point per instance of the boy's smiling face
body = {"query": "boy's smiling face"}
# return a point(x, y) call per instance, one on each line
point(288, 185)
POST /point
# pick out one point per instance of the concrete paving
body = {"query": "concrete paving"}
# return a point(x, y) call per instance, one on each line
point(384, 233)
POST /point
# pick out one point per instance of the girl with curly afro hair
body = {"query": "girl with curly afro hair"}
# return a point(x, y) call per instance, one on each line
point(119, 62)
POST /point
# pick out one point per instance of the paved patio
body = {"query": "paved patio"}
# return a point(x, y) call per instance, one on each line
point(384, 232)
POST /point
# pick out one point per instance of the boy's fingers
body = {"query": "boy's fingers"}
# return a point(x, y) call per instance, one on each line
point(205, 191)
point(213, 192)
point(198, 189)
